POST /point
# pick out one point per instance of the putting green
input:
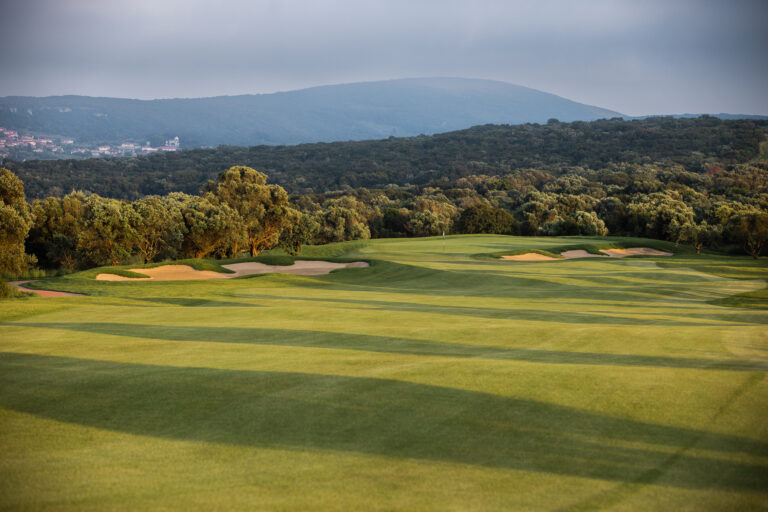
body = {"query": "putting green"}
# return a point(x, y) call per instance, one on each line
point(438, 378)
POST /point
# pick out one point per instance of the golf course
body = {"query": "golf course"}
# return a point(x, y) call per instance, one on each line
point(440, 376)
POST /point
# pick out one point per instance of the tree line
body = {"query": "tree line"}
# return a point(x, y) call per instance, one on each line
point(725, 207)
point(493, 150)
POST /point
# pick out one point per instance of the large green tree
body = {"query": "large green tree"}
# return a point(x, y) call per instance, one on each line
point(482, 218)
point(298, 234)
point(342, 219)
point(54, 234)
point(108, 235)
point(15, 222)
point(159, 226)
point(658, 215)
point(700, 235)
point(210, 224)
point(264, 210)
point(750, 227)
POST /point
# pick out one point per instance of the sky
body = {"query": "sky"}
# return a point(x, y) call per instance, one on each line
point(637, 57)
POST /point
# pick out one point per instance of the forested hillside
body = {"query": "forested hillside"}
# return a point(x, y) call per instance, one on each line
point(357, 111)
point(694, 144)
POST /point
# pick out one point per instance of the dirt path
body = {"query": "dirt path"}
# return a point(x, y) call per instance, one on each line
point(42, 293)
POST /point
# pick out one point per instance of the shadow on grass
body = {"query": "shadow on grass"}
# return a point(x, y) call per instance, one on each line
point(194, 302)
point(371, 416)
point(394, 277)
point(547, 315)
point(757, 299)
point(390, 345)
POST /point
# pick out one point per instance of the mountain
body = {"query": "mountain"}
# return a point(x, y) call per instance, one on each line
point(358, 111)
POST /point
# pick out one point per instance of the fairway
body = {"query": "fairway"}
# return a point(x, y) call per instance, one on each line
point(439, 378)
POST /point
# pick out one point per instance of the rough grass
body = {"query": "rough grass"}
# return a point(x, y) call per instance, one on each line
point(9, 292)
point(428, 381)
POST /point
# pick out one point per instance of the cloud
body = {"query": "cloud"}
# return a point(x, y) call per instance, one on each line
point(635, 57)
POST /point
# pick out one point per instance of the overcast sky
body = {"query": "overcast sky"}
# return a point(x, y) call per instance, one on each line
point(636, 57)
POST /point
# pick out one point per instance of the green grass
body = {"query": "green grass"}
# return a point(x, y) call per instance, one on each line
point(757, 299)
point(432, 380)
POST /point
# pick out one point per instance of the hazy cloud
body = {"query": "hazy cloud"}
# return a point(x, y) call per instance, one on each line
point(636, 57)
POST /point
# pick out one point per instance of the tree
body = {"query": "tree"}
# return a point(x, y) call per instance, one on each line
point(611, 211)
point(699, 235)
point(431, 217)
point(108, 235)
point(534, 215)
point(298, 234)
point(342, 220)
point(209, 225)
point(159, 226)
point(658, 216)
point(264, 209)
point(750, 226)
point(483, 218)
point(578, 223)
point(394, 221)
point(54, 234)
point(15, 222)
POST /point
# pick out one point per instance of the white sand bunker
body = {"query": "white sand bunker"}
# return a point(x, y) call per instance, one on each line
point(635, 251)
point(529, 256)
point(580, 253)
point(186, 273)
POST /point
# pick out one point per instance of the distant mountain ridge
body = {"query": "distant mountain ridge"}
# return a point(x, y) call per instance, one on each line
point(356, 111)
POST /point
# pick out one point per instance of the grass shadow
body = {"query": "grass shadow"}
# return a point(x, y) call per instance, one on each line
point(391, 345)
point(372, 416)
point(194, 302)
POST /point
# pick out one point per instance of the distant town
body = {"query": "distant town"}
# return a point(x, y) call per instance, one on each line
point(26, 146)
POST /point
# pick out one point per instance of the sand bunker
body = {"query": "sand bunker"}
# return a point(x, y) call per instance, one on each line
point(615, 253)
point(635, 251)
point(42, 293)
point(186, 273)
point(299, 267)
point(580, 253)
point(529, 256)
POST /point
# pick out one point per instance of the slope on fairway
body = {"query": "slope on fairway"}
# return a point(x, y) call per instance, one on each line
point(436, 379)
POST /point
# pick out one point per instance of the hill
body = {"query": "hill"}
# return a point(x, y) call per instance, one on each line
point(491, 150)
point(358, 111)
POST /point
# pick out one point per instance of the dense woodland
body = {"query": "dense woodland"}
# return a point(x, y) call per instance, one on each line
point(713, 198)
point(491, 150)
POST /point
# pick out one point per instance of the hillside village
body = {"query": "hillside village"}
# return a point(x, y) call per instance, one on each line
point(25, 146)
